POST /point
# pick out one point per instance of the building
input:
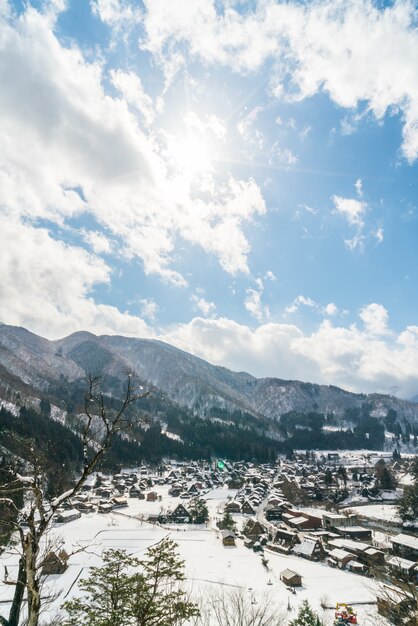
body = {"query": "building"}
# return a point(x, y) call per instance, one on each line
point(291, 578)
point(68, 516)
point(405, 546)
point(311, 549)
point(228, 537)
point(54, 563)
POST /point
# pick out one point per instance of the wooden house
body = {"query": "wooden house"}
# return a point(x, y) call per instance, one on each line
point(253, 529)
point(228, 537)
point(54, 563)
point(247, 508)
point(180, 515)
point(310, 549)
point(233, 507)
point(291, 578)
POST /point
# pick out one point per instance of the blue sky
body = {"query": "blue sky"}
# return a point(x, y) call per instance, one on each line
point(236, 178)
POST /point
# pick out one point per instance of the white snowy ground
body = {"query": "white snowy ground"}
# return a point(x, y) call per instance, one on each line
point(209, 565)
point(380, 512)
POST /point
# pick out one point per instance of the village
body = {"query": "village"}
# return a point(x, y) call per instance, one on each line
point(328, 510)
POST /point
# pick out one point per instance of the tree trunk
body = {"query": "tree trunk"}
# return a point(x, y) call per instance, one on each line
point(32, 584)
point(15, 609)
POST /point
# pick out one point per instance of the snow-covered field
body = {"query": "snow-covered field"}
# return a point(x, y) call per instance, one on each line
point(385, 512)
point(209, 565)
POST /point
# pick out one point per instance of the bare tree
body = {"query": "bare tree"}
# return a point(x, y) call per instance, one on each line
point(239, 607)
point(101, 424)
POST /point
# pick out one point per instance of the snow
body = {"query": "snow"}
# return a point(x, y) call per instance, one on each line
point(386, 512)
point(9, 406)
point(209, 565)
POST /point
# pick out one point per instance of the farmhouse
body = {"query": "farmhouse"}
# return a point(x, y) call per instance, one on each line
point(405, 546)
point(54, 563)
point(68, 516)
point(291, 578)
point(228, 538)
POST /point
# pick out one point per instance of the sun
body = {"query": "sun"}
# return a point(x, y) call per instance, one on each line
point(192, 155)
point(193, 145)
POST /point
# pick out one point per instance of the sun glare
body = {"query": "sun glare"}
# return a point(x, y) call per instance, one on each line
point(191, 155)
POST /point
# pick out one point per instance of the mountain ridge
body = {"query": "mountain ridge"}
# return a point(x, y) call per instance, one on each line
point(187, 380)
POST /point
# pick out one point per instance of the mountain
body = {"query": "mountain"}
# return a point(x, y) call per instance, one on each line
point(187, 389)
point(41, 365)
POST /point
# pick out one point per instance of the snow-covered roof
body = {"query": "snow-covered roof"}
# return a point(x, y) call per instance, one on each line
point(406, 540)
point(402, 564)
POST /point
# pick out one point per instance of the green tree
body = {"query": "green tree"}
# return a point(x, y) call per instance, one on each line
point(227, 522)
point(127, 591)
point(342, 473)
point(328, 477)
point(198, 510)
point(407, 504)
point(100, 428)
point(306, 616)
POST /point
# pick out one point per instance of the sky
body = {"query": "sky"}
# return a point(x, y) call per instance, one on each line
point(235, 177)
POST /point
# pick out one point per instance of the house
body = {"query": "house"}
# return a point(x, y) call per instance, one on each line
point(119, 502)
point(273, 512)
point(68, 516)
point(356, 567)
point(291, 578)
point(405, 546)
point(228, 537)
point(233, 507)
point(152, 496)
point(180, 515)
point(335, 520)
point(286, 539)
point(105, 507)
point(311, 549)
point(339, 558)
point(404, 568)
point(247, 509)
point(135, 492)
point(253, 529)
point(354, 532)
point(54, 563)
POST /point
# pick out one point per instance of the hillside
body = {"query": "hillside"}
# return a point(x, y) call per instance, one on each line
point(189, 394)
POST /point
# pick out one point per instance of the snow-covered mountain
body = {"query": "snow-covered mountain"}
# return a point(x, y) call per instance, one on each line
point(33, 366)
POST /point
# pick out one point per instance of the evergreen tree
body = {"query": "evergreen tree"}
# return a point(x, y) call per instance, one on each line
point(384, 477)
point(342, 473)
point(127, 591)
point(199, 511)
point(328, 477)
point(227, 522)
point(306, 616)
point(407, 504)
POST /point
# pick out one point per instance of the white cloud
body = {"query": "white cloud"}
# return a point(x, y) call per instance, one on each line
point(130, 86)
point(355, 52)
point(331, 309)
point(281, 155)
point(200, 303)
point(348, 357)
point(67, 148)
point(353, 210)
point(375, 318)
point(148, 309)
point(359, 187)
point(46, 285)
point(253, 300)
point(116, 13)
point(99, 243)
point(269, 275)
point(379, 234)
point(300, 301)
